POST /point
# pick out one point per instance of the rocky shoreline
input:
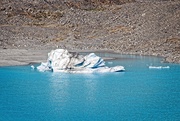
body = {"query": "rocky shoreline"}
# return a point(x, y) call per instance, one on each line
point(15, 57)
point(28, 32)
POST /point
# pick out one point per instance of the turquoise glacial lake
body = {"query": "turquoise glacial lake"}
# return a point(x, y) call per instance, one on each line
point(138, 94)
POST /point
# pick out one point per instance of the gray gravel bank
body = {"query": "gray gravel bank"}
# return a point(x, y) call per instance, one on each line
point(11, 57)
point(134, 27)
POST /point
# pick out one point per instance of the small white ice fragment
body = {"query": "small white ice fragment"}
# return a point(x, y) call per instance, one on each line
point(159, 67)
point(110, 62)
point(32, 67)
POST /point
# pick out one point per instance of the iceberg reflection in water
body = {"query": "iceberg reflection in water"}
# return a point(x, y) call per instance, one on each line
point(61, 60)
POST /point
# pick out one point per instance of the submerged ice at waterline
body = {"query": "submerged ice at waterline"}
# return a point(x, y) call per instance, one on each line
point(61, 60)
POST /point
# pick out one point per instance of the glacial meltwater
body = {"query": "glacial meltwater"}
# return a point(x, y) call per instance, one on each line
point(148, 90)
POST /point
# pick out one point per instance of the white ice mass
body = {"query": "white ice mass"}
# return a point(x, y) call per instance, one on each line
point(61, 60)
point(159, 67)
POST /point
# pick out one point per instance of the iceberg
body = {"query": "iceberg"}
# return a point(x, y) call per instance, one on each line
point(60, 60)
point(159, 67)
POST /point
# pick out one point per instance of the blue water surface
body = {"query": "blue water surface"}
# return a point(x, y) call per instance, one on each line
point(138, 94)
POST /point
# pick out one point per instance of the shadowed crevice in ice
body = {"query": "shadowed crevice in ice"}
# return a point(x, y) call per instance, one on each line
point(61, 60)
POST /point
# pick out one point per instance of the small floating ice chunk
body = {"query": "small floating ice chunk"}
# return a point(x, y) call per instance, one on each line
point(44, 67)
point(32, 66)
point(159, 67)
point(110, 62)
